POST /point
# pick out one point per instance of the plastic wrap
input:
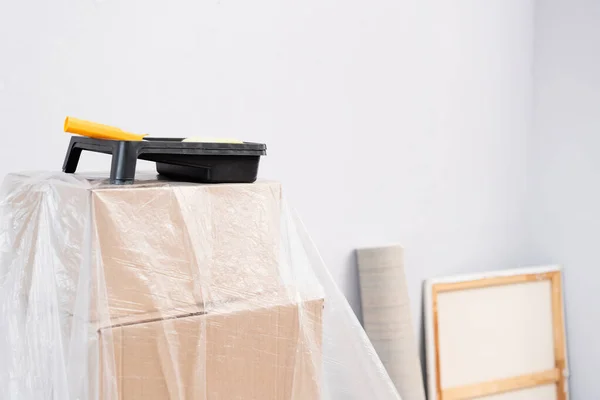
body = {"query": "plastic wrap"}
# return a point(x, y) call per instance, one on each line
point(163, 290)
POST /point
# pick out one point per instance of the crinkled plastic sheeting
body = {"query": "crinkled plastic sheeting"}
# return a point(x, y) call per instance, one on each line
point(163, 290)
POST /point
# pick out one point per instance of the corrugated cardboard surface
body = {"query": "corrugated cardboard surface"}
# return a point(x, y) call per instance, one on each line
point(271, 353)
point(164, 246)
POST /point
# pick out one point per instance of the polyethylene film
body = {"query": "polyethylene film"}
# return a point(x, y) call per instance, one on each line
point(163, 290)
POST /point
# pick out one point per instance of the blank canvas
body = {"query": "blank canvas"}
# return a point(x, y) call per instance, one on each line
point(490, 332)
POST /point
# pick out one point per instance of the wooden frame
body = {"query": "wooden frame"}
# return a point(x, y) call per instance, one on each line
point(557, 376)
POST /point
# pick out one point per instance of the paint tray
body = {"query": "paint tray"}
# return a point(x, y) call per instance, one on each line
point(175, 159)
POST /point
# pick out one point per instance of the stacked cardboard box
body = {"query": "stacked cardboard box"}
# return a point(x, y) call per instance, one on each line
point(186, 299)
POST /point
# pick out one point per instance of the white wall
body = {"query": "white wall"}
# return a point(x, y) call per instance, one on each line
point(564, 155)
point(388, 121)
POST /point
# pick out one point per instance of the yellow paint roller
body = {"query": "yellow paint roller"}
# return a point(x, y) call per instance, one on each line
point(98, 131)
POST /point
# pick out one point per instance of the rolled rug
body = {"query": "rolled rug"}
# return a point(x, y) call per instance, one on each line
point(387, 319)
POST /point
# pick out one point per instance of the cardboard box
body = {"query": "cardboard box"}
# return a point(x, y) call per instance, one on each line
point(154, 246)
point(165, 246)
point(271, 353)
point(189, 299)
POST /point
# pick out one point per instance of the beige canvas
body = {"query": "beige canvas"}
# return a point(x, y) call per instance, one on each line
point(496, 335)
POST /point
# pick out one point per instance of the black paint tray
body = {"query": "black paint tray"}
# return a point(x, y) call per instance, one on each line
point(177, 160)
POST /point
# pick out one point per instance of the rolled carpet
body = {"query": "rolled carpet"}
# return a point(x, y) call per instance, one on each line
point(387, 319)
